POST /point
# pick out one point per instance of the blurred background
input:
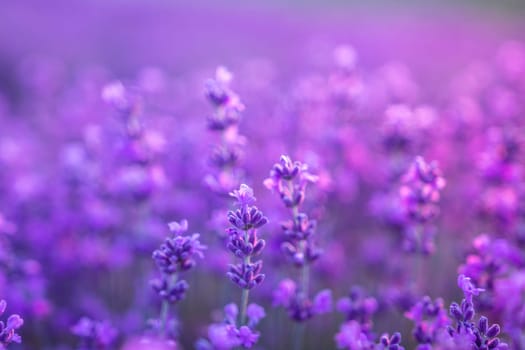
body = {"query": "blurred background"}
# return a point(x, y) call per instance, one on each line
point(57, 55)
point(125, 35)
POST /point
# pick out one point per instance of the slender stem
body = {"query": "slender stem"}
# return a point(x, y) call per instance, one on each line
point(164, 317)
point(244, 306)
point(245, 292)
point(298, 336)
point(305, 270)
point(299, 329)
point(295, 211)
point(165, 307)
point(305, 278)
point(418, 270)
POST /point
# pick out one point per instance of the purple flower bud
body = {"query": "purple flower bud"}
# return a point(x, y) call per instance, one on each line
point(493, 331)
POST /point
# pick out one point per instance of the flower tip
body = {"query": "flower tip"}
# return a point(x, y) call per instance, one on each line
point(223, 75)
point(178, 227)
point(113, 92)
point(3, 306)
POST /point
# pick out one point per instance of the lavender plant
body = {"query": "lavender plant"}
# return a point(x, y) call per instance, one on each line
point(176, 255)
point(99, 151)
point(420, 193)
point(224, 120)
point(289, 180)
point(238, 327)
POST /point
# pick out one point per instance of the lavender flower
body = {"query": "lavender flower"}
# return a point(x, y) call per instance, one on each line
point(8, 330)
point(94, 335)
point(243, 240)
point(289, 179)
point(420, 194)
point(430, 318)
point(226, 335)
point(480, 335)
point(238, 329)
point(225, 156)
point(351, 337)
point(176, 255)
point(390, 342)
point(359, 308)
point(421, 188)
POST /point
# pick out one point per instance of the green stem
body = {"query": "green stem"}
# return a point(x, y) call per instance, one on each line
point(305, 270)
point(165, 307)
point(244, 306)
point(418, 271)
point(298, 336)
point(305, 278)
point(164, 317)
point(245, 292)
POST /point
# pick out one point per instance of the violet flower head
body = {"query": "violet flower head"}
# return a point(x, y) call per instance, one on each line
point(227, 335)
point(468, 288)
point(480, 335)
point(244, 196)
point(175, 256)
point(390, 342)
point(490, 259)
point(352, 337)
point(94, 335)
point(420, 193)
point(178, 253)
point(358, 307)
point(421, 188)
point(8, 329)
point(238, 328)
point(299, 306)
point(115, 94)
point(126, 103)
point(289, 180)
point(243, 240)
point(284, 293)
point(228, 106)
point(509, 300)
point(430, 318)
point(225, 156)
point(178, 228)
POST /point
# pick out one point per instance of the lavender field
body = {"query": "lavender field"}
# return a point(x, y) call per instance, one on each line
point(240, 175)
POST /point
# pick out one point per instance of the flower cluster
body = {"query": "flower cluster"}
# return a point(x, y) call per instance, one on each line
point(176, 255)
point(422, 184)
point(226, 335)
point(238, 328)
point(225, 156)
point(479, 335)
point(8, 330)
point(420, 194)
point(289, 179)
point(434, 329)
point(243, 240)
point(429, 317)
point(94, 335)
point(351, 336)
point(358, 307)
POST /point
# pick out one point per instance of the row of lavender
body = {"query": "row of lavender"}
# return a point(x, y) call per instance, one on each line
point(406, 191)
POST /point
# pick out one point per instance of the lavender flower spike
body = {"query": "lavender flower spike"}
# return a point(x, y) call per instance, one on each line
point(244, 243)
point(176, 255)
point(238, 328)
